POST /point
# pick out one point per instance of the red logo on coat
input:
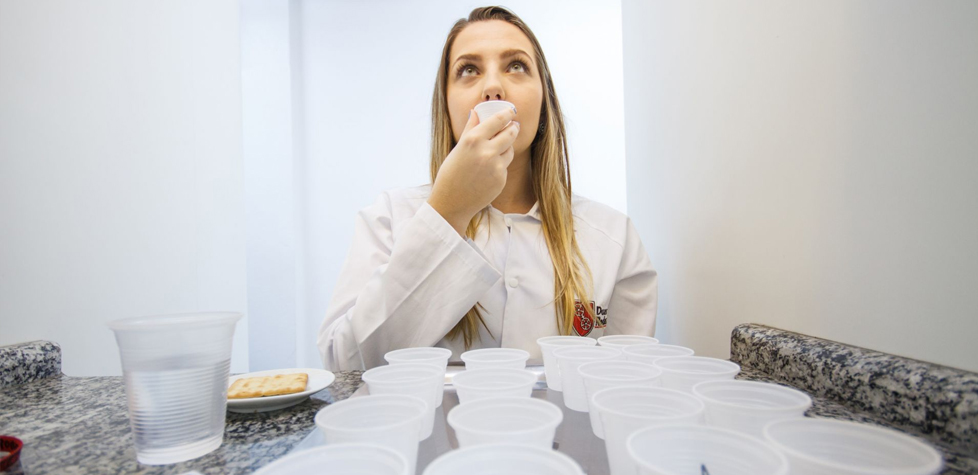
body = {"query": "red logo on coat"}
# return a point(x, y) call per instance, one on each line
point(583, 318)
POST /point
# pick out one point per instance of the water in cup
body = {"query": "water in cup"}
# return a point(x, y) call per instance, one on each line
point(175, 369)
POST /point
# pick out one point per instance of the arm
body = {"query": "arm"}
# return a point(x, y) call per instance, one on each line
point(634, 300)
point(400, 294)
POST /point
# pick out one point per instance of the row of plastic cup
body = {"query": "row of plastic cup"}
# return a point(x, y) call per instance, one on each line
point(803, 446)
point(399, 412)
point(377, 460)
point(744, 427)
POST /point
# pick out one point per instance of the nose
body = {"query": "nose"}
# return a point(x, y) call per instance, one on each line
point(492, 89)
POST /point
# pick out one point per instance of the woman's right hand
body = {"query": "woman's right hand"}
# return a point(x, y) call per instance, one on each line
point(474, 173)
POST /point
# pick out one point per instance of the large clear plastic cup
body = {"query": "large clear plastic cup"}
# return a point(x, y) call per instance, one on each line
point(621, 341)
point(176, 369)
point(600, 375)
point(684, 372)
point(747, 406)
point(626, 409)
point(388, 420)
point(648, 353)
point(514, 420)
point(503, 459)
point(569, 360)
point(697, 449)
point(437, 357)
point(547, 346)
point(495, 358)
point(832, 447)
point(340, 458)
point(419, 380)
point(475, 384)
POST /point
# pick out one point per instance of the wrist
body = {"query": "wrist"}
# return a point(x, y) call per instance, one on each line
point(457, 219)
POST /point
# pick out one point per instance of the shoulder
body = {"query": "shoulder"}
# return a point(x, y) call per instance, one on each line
point(600, 220)
point(398, 201)
point(395, 206)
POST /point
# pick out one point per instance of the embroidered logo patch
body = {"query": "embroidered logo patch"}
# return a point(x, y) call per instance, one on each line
point(587, 318)
point(583, 318)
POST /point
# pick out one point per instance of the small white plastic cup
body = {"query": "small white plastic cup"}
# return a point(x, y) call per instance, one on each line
point(340, 458)
point(747, 406)
point(488, 109)
point(600, 375)
point(475, 384)
point(175, 369)
point(547, 346)
point(514, 420)
point(503, 459)
point(437, 357)
point(683, 372)
point(389, 420)
point(413, 379)
point(698, 449)
point(621, 341)
point(495, 358)
point(626, 409)
point(648, 353)
point(569, 360)
point(816, 446)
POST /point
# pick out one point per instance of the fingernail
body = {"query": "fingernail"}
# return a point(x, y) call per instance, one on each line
point(517, 124)
point(514, 109)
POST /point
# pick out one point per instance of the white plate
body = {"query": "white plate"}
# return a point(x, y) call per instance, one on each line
point(319, 379)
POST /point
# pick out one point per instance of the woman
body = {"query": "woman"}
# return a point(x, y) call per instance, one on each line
point(496, 251)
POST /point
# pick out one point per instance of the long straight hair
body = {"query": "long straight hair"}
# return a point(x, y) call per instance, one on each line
point(551, 182)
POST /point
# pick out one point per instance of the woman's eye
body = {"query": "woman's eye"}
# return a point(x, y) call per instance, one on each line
point(520, 66)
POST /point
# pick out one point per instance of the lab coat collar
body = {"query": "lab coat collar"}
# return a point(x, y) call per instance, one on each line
point(534, 212)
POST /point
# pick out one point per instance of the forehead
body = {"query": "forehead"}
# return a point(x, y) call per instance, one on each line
point(489, 39)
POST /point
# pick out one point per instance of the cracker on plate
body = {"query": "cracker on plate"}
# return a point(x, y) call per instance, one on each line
point(261, 386)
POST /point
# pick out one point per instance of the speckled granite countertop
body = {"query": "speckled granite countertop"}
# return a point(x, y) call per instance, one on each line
point(80, 426)
point(934, 403)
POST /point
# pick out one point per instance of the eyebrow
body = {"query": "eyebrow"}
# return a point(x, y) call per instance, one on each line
point(505, 54)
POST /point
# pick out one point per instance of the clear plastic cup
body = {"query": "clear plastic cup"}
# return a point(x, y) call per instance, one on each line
point(413, 379)
point(514, 420)
point(488, 109)
point(648, 353)
point(503, 459)
point(626, 409)
point(683, 372)
point(747, 406)
point(697, 449)
point(824, 446)
point(495, 358)
point(474, 384)
point(175, 369)
point(621, 341)
point(569, 360)
point(340, 458)
point(388, 420)
point(547, 346)
point(600, 375)
point(434, 356)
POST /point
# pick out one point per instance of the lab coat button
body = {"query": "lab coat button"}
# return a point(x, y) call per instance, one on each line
point(512, 282)
point(509, 223)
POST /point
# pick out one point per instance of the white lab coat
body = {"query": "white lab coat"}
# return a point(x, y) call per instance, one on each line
point(410, 277)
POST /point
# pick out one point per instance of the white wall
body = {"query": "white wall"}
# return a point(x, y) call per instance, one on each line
point(810, 166)
point(120, 170)
point(368, 72)
point(272, 193)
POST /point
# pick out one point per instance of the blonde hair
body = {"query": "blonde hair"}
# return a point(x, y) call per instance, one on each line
point(551, 182)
